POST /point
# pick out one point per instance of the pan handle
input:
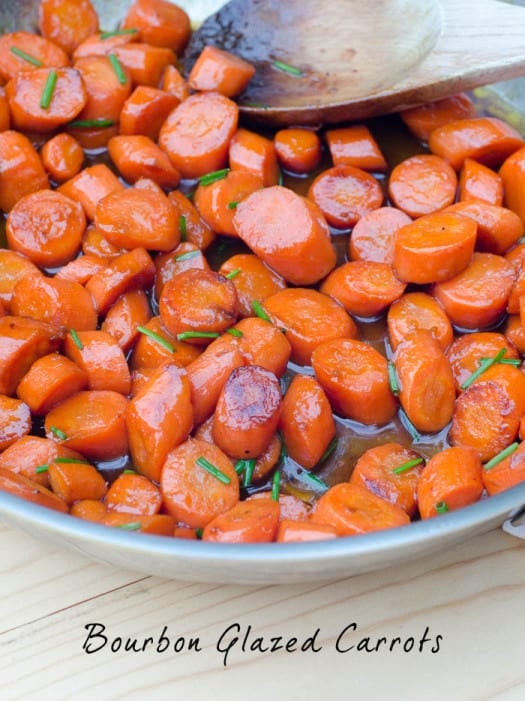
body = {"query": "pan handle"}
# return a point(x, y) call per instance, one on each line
point(515, 524)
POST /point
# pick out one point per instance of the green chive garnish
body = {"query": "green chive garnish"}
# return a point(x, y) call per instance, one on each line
point(26, 57)
point(276, 485)
point(90, 123)
point(248, 472)
point(484, 365)
point(58, 433)
point(233, 273)
point(280, 177)
point(501, 456)
point(441, 507)
point(186, 256)
point(155, 336)
point(259, 311)
point(182, 227)
point(188, 335)
point(240, 466)
point(409, 427)
point(117, 33)
point(129, 472)
point(232, 205)
point(199, 532)
point(287, 68)
point(505, 361)
point(329, 449)
point(49, 89)
point(210, 178)
point(392, 378)
point(76, 340)
point(117, 67)
point(235, 332)
point(310, 477)
point(76, 461)
point(407, 465)
point(219, 474)
point(41, 468)
point(133, 526)
point(284, 450)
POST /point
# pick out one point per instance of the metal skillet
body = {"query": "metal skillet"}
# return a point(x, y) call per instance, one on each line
point(263, 563)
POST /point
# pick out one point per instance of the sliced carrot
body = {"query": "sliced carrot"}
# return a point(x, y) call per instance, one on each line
point(355, 146)
point(102, 44)
point(107, 88)
point(133, 494)
point(30, 490)
point(22, 170)
point(355, 378)
point(345, 194)
point(5, 115)
point(515, 332)
point(91, 185)
point(94, 243)
point(434, 248)
point(505, 474)
point(288, 232)
point(137, 156)
point(498, 228)
point(309, 318)
point(62, 157)
point(82, 268)
point(512, 174)
point(263, 344)
point(466, 353)
point(174, 84)
point(303, 531)
point(373, 235)
point(220, 71)
point(193, 227)
point(517, 291)
point(156, 346)
point(46, 52)
point(15, 420)
point(67, 22)
point(424, 119)
point(129, 311)
point(160, 23)
point(145, 63)
point(30, 456)
point(509, 378)
point(99, 355)
point(186, 256)
point(255, 154)
point(254, 521)
point(92, 139)
point(298, 150)
point(253, 280)
point(50, 379)
point(13, 266)
point(74, 481)
point(422, 184)
point(477, 183)
point(92, 510)
point(158, 524)
point(145, 111)
point(418, 310)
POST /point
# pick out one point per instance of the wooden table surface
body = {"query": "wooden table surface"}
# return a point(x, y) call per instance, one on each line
point(472, 596)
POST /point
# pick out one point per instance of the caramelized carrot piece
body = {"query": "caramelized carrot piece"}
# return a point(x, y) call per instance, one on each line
point(254, 521)
point(67, 22)
point(160, 23)
point(62, 157)
point(22, 171)
point(422, 184)
point(174, 84)
point(450, 480)
point(253, 280)
point(74, 481)
point(155, 346)
point(509, 378)
point(345, 194)
point(107, 90)
point(95, 244)
point(303, 531)
point(15, 420)
point(46, 52)
point(466, 353)
point(186, 256)
point(13, 266)
point(515, 332)
point(288, 232)
point(263, 344)
point(424, 119)
point(98, 354)
point(512, 172)
point(191, 223)
point(477, 183)
point(102, 44)
point(414, 311)
point(89, 509)
point(133, 494)
point(129, 311)
point(158, 524)
point(50, 379)
point(220, 71)
point(290, 506)
point(91, 185)
point(506, 474)
point(373, 235)
point(355, 146)
point(30, 456)
point(145, 63)
point(92, 138)
point(5, 115)
point(254, 154)
point(81, 269)
point(138, 156)
point(298, 150)
point(498, 228)
point(145, 111)
point(30, 490)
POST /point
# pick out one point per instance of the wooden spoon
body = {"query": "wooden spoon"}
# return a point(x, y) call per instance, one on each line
point(360, 58)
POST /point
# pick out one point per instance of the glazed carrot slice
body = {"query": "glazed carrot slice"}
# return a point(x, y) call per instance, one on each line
point(92, 422)
point(511, 173)
point(159, 418)
point(450, 480)
point(145, 63)
point(247, 412)
point(217, 118)
point(263, 344)
point(290, 506)
point(466, 352)
point(137, 156)
point(99, 355)
point(392, 472)
point(499, 228)
point(160, 23)
point(298, 149)
point(29, 109)
point(108, 86)
point(488, 140)
point(158, 524)
point(62, 157)
point(288, 232)
point(220, 71)
point(427, 389)
point(363, 287)
point(197, 302)
point(352, 509)
point(355, 146)
point(486, 419)
point(81, 269)
point(422, 184)
point(145, 111)
point(345, 194)
point(91, 185)
point(193, 227)
point(194, 492)
point(254, 521)
point(45, 52)
point(477, 297)
point(186, 256)
point(50, 379)
point(505, 474)
point(253, 280)
point(306, 424)
point(155, 346)
point(22, 170)
point(15, 420)
point(434, 248)
point(74, 481)
point(303, 531)
point(13, 266)
point(54, 300)
point(309, 318)
point(373, 235)
point(217, 201)
point(174, 84)
point(129, 311)
point(67, 22)
point(515, 332)
point(480, 184)
point(5, 116)
point(355, 378)
point(414, 311)
point(255, 154)
point(47, 227)
point(133, 494)
point(30, 490)
point(92, 138)
point(104, 43)
point(89, 509)
point(424, 119)
point(22, 342)
point(518, 288)
point(30, 456)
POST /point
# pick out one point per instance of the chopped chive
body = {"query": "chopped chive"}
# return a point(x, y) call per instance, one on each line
point(284, 450)
point(182, 227)
point(75, 461)
point(276, 485)
point(58, 433)
point(441, 507)
point(329, 449)
point(76, 340)
point(206, 465)
point(392, 378)
point(240, 466)
point(26, 57)
point(248, 472)
point(129, 472)
point(287, 68)
point(280, 177)
point(186, 256)
point(407, 465)
point(90, 123)
point(501, 456)
point(414, 434)
point(259, 311)
point(133, 526)
point(235, 332)
point(117, 67)
point(233, 273)
point(199, 532)
point(155, 336)
point(484, 365)
point(41, 468)
point(188, 335)
point(118, 33)
point(213, 177)
point(308, 476)
point(49, 89)
point(505, 361)
point(232, 205)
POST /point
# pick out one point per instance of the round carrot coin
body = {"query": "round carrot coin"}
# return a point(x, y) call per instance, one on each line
point(422, 184)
